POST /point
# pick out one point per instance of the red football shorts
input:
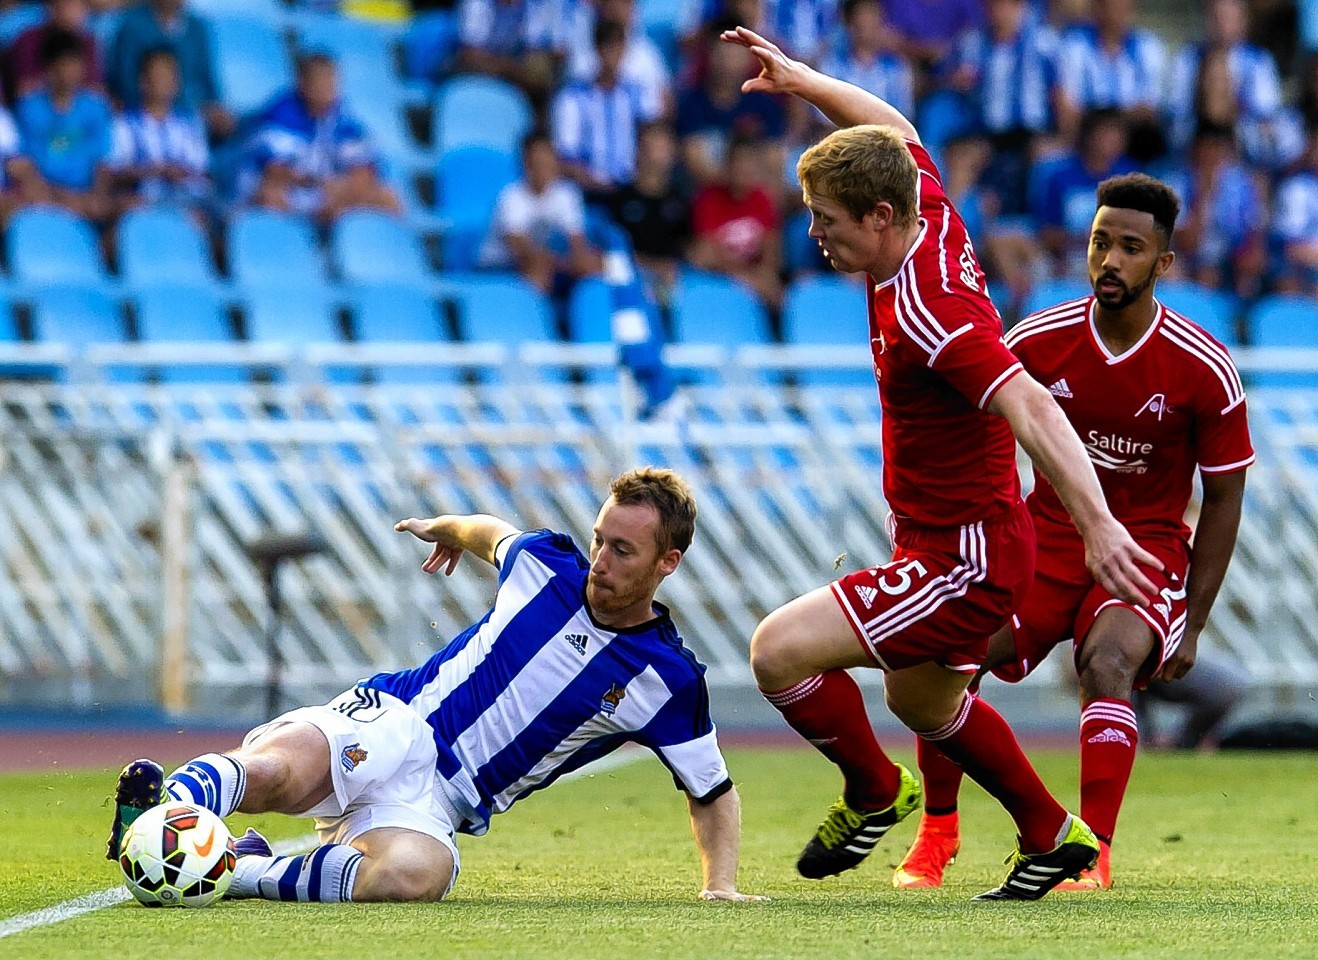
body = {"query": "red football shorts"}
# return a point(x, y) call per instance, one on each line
point(943, 594)
point(1063, 602)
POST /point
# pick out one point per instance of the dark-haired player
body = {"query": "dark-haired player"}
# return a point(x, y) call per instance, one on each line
point(1153, 397)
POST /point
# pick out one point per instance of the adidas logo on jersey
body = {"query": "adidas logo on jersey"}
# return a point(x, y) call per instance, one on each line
point(578, 641)
point(1061, 389)
point(867, 595)
point(1110, 735)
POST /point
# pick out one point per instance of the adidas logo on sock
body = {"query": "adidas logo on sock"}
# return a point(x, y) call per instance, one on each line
point(1110, 735)
point(867, 595)
point(1061, 389)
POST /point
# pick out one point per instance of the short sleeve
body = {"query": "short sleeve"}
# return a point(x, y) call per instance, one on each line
point(1222, 441)
point(122, 153)
point(569, 208)
point(683, 736)
point(512, 212)
point(976, 363)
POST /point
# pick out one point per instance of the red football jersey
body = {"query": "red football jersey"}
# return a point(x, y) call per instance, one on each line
point(1147, 417)
point(939, 359)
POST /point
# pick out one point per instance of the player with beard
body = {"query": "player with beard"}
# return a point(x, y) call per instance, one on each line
point(1154, 397)
point(574, 659)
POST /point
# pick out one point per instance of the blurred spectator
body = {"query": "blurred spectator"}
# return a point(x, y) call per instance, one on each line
point(1224, 80)
point(928, 29)
point(1208, 693)
point(595, 122)
point(864, 59)
point(804, 28)
point(23, 72)
point(716, 111)
point(159, 152)
point(1064, 200)
point(1307, 100)
point(518, 40)
point(1009, 70)
point(1295, 225)
point(1271, 139)
point(736, 226)
point(20, 183)
point(642, 65)
point(1111, 64)
point(1220, 238)
point(309, 155)
point(653, 211)
point(165, 23)
point(65, 128)
point(539, 222)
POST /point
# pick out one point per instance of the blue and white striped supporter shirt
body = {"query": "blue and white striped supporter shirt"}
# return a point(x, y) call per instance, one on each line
point(888, 76)
point(1093, 76)
point(140, 139)
point(537, 689)
point(596, 127)
point(1296, 216)
point(1014, 79)
point(803, 27)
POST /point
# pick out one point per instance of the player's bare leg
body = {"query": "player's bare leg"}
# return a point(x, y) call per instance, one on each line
point(1118, 646)
point(799, 655)
point(402, 865)
point(938, 837)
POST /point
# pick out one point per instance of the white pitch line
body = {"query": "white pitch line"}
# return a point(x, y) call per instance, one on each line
point(47, 916)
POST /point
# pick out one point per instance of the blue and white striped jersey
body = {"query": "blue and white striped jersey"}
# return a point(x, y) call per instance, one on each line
point(1092, 76)
point(537, 689)
point(1014, 79)
point(596, 127)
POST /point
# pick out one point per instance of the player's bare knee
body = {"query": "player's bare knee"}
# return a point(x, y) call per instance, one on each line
point(404, 880)
point(771, 656)
point(1108, 670)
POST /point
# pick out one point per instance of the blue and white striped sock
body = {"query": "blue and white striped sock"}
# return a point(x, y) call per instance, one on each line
point(213, 781)
point(325, 875)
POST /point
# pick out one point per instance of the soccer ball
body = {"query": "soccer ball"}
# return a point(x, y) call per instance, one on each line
point(177, 855)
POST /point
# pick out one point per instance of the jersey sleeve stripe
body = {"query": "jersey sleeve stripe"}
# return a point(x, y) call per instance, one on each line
point(1021, 332)
point(942, 247)
point(1212, 356)
point(1055, 312)
point(950, 337)
point(996, 385)
point(907, 318)
point(1228, 467)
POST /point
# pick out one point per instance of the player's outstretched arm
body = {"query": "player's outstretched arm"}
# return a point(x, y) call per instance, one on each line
point(1112, 555)
point(717, 829)
point(1214, 542)
point(843, 103)
point(452, 535)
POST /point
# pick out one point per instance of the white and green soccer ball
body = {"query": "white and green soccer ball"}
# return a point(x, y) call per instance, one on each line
point(177, 855)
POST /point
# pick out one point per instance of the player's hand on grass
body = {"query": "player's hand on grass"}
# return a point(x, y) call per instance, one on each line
point(1114, 559)
point(732, 896)
point(779, 73)
point(1180, 662)
point(431, 531)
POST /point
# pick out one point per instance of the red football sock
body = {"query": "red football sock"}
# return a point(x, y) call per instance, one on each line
point(1108, 737)
point(829, 712)
point(979, 741)
point(940, 777)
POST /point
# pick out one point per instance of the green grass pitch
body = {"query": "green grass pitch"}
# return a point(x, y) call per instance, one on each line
point(1217, 856)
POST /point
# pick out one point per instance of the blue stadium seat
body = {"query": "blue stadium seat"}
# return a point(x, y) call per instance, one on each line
point(47, 245)
point(800, 251)
point(267, 11)
point(1213, 310)
point(17, 19)
point(827, 310)
point(268, 248)
point(468, 181)
point(590, 312)
point(708, 308)
point(182, 313)
point(1049, 293)
point(481, 111)
point(347, 38)
point(251, 60)
point(76, 315)
point(8, 325)
point(1284, 320)
point(163, 245)
point(389, 313)
point(291, 314)
point(373, 247)
point(500, 307)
